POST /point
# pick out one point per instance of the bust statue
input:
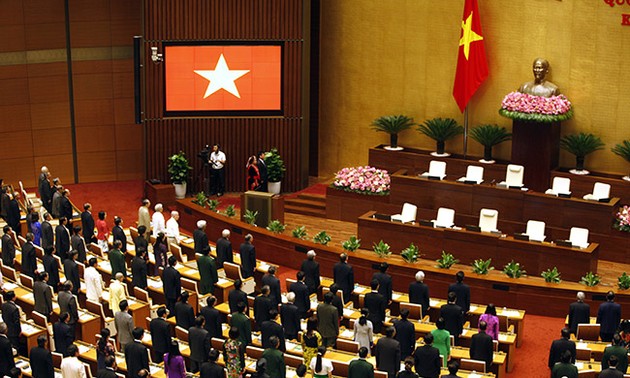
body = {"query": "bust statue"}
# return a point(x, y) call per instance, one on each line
point(540, 86)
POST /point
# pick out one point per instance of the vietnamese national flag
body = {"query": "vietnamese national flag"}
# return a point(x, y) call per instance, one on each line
point(220, 78)
point(472, 66)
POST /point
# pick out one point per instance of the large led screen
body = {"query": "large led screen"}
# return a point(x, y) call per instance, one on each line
point(223, 79)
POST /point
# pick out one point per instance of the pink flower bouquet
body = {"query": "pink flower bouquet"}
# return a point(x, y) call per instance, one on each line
point(622, 219)
point(363, 180)
point(525, 107)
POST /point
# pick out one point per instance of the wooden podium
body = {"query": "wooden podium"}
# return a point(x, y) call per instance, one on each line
point(536, 146)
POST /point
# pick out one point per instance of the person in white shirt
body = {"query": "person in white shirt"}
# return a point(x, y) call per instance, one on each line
point(217, 170)
point(157, 221)
point(93, 282)
point(71, 367)
point(116, 293)
point(172, 228)
point(319, 365)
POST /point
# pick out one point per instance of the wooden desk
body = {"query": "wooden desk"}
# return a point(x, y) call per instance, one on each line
point(87, 353)
point(25, 366)
point(31, 331)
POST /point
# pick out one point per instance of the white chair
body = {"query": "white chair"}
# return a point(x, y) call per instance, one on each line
point(437, 169)
point(536, 230)
point(600, 191)
point(488, 219)
point(560, 186)
point(513, 176)
point(445, 218)
point(579, 237)
point(473, 174)
point(407, 215)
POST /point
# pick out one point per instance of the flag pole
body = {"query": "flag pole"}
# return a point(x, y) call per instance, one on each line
point(466, 131)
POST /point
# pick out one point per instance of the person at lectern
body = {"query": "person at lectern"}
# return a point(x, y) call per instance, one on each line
point(540, 86)
point(217, 170)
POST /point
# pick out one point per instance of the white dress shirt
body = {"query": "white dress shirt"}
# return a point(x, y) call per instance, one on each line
point(71, 367)
point(93, 284)
point(158, 223)
point(172, 229)
point(116, 295)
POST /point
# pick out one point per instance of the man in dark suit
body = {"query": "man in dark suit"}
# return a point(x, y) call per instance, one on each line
point(63, 333)
point(68, 303)
point(160, 334)
point(405, 334)
point(384, 281)
point(290, 317)
point(13, 214)
point(200, 237)
point(270, 328)
point(617, 350)
point(273, 282)
point(172, 280)
point(453, 316)
point(609, 316)
point(328, 319)
point(29, 257)
point(87, 223)
point(559, 346)
point(119, 234)
point(387, 353)
point(184, 313)
point(48, 240)
point(248, 256)
point(343, 275)
point(419, 293)
point(51, 266)
point(211, 369)
point(65, 207)
point(427, 358)
point(42, 366)
point(42, 295)
point(117, 259)
point(199, 343)
point(462, 291)
point(137, 356)
point(453, 368)
point(612, 371)
point(302, 300)
point(11, 317)
point(337, 301)
point(124, 324)
point(262, 169)
point(45, 191)
point(262, 305)
point(236, 295)
point(139, 269)
point(481, 346)
point(62, 239)
point(110, 368)
point(141, 241)
point(77, 243)
point(376, 304)
point(8, 246)
point(310, 267)
point(71, 271)
point(579, 312)
point(212, 318)
point(360, 368)
point(224, 249)
point(6, 351)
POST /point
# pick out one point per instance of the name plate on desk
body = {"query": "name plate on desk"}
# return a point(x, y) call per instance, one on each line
point(380, 216)
point(605, 200)
point(427, 223)
point(564, 195)
point(434, 178)
point(564, 243)
point(473, 228)
point(519, 236)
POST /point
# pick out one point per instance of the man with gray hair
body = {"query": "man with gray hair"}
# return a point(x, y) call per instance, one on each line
point(419, 292)
point(6, 351)
point(200, 237)
point(579, 312)
point(158, 223)
point(116, 292)
point(224, 249)
point(290, 317)
point(310, 267)
point(172, 228)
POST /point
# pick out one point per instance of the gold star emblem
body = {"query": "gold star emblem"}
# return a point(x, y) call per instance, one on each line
point(468, 35)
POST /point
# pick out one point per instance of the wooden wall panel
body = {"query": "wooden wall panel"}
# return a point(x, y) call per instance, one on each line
point(240, 137)
point(15, 117)
point(50, 115)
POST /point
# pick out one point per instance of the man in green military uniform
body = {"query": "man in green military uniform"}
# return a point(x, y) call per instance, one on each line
point(242, 322)
point(117, 260)
point(207, 270)
point(275, 359)
point(360, 368)
point(618, 351)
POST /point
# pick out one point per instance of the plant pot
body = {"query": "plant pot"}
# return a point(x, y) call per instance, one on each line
point(274, 187)
point(393, 141)
point(487, 156)
point(180, 190)
point(440, 150)
point(579, 167)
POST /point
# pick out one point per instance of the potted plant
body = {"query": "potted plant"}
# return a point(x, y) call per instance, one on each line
point(446, 261)
point(580, 145)
point(513, 270)
point(178, 169)
point(489, 136)
point(623, 149)
point(393, 125)
point(411, 253)
point(590, 279)
point(352, 244)
point(275, 170)
point(551, 275)
point(441, 130)
point(382, 249)
point(322, 238)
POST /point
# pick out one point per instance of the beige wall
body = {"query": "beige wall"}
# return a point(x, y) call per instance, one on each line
point(399, 56)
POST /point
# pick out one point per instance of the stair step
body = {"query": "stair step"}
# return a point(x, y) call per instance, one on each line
point(297, 202)
point(312, 197)
point(321, 213)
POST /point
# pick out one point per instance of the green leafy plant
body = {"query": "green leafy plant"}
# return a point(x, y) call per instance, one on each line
point(446, 261)
point(200, 199)
point(581, 145)
point(623, 281)
point(352, 244)
point(513, 270)
point(275, 166)
point(382, 249)
point(213, 204)
point(229, 211)
point(481, 266)
point(411, 253)
point(276, 227)
point(178, 168)
point(551, 275)
point(623, 150)
point(250, 216)
point(489, 136)
point(591, 279)
point(441, 130)
point(299, 232)
point(393, 125)
point(322, 238)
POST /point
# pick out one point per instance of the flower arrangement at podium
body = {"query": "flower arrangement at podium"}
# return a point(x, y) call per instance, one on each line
point(526, 107)
point(622, 219)
point(363, 180)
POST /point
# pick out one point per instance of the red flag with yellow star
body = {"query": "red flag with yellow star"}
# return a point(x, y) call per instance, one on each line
point(472, 66)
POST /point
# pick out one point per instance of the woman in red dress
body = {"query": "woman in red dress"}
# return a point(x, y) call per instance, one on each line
point(253, 174)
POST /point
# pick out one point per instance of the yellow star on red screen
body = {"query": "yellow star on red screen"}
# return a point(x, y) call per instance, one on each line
point(221, 78)
point(468, 35)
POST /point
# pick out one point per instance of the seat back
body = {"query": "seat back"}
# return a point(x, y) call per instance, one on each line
point(409, 212)
point(141, 295)
point(26, 281)
point(579, 237)
point(340, 368)
point(582, 354)
point(291, 360)
point(176, 250)
point(181, 333)
point(189, 284)
point(601, 190)
point(561, 185)
point(39, 252)
point(437, 168)
point(339, 294)
point(232, 271)
point(133, 231)
point(380, 374)
point(469, 364)
point(488, 219)
point(21, 241)
point(415, 310)
point(254, 352)
point(217, 343)
point(57, 357)
point(535, 230)
point(347, 345)
point(95, 249)
point(514, 175)
point(445, 217)
point(588, 332)
point(9, 273)
point(288, 282)
point(474, 173)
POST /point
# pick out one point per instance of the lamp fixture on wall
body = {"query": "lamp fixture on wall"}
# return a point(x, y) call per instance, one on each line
point(155, 56)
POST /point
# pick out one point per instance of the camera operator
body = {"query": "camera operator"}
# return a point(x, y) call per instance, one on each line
point(217, 170)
